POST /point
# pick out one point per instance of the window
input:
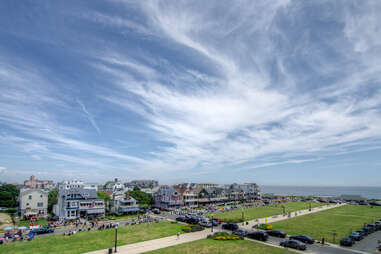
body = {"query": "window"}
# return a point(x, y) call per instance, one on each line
point(41, 196)
point(40, 204)
point(27, 204)
point(30, 197)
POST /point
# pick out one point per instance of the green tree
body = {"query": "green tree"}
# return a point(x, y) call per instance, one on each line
point(52, 199)
point(141, 197)
point(104, 186)
point(8, 195)
point(103, 196)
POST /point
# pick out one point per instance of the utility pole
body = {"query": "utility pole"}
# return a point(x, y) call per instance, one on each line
point(116, 237)
point(212, 224)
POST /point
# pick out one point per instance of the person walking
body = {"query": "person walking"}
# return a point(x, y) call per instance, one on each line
point(178, 235)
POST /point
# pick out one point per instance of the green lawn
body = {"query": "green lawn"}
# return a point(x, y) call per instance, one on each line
point(208, 246)
point(123, 217)
point(93, 240)
point(321, 224)
point(40, 221)
point(263, 211)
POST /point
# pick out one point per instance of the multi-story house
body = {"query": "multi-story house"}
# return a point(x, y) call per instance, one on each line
point(34, 183)
point(143, 184)
point(168, 198)
point(33, 203)
point(121, 201)
point(77, 199)
point(126, 205)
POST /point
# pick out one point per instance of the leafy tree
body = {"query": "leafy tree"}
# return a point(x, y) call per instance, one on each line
point(8, 195)
point(103, 195)
point(52, 199)
point(141, 197)
point(104, 186)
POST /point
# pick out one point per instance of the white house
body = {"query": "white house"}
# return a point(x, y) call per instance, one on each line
point(33, 202)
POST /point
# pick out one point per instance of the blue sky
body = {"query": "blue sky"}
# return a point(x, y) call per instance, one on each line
point(273, 92)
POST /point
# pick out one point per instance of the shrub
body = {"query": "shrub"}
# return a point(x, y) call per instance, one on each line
point(224, 236)
point(192, 228)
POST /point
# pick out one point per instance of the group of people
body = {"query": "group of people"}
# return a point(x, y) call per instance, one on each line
point(81, 225)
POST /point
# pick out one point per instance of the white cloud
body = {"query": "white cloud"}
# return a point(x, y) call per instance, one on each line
point(2, 170)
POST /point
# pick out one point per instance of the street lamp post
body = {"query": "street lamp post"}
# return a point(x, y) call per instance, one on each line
point(212, 224)
point(310, 207)
point(116, 237)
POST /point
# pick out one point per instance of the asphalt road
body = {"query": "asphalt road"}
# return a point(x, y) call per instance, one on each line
point(316, 248)
point(369, 243)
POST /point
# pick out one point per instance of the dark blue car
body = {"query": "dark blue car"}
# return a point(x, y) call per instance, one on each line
point(303, 238)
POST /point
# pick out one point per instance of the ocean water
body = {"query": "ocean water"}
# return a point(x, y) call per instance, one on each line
point(366, 192)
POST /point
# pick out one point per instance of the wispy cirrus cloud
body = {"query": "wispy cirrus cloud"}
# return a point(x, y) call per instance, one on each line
point(206, 87)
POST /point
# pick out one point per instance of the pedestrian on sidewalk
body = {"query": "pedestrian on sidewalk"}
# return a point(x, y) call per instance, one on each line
point(178, 235)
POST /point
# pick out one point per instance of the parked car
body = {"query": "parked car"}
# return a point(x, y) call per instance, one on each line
point(205, 224)
point(219, 221)
point(363, 233)
point(303, 238)
point(40, 231)
point(374, 226)
point(230, 226)
point(181, 218)
point(54, 218)
point(192, 220)
point(156, 211)
point(295, 244)
point(258, 235)
point(368, 229)
point(277, 233)
point(215, 223)
point(241, 232)
point(347, 241)
point(356, 236)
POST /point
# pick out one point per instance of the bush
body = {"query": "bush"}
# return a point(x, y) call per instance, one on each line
point(224, 236)
point(192, 228)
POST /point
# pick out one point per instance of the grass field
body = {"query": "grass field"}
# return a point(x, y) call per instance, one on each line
point(321, 224)
point(208, 246)
point(264, 211)
point(93, 240)
point(40, 221)
point(123, 217)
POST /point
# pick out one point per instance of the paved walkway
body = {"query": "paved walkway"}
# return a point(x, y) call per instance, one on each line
point(190, 237)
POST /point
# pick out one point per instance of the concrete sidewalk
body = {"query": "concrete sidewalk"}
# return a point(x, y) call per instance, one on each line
point(158, 243)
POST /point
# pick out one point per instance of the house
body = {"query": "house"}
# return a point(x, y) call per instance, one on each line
point(77, 199)
point(143, 184)
point(34, 183)
point(126, 205)
point(168, 198)
point(33, 203)
point(121, 201)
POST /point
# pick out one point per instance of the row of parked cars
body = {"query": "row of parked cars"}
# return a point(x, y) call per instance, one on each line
point(201, 220)
point(360, 234)
point(297, 241)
